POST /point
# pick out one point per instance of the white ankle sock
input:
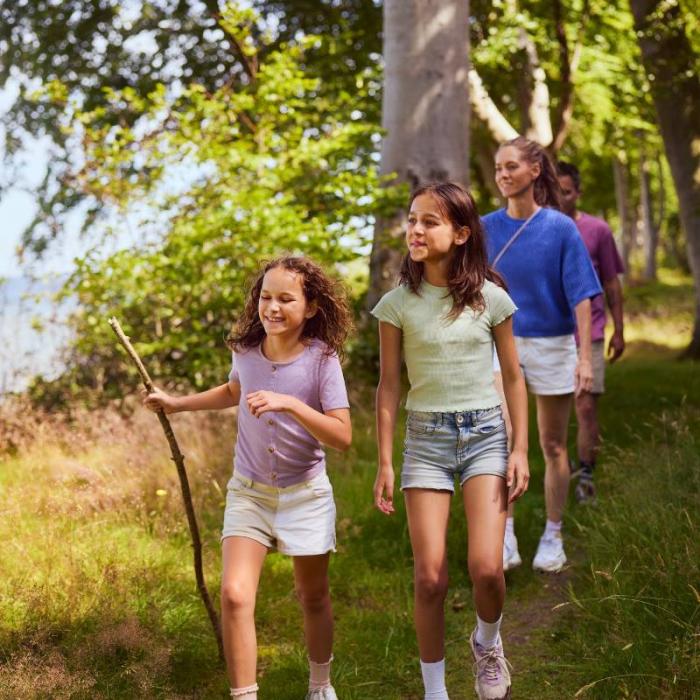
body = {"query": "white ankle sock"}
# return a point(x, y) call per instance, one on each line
point(510, 527)
point(552, 529)
point(434, 680)
point(319, 674)
point(487, 632)
point(250, 692)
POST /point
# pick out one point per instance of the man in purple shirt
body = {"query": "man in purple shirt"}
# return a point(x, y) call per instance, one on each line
point(600, 243)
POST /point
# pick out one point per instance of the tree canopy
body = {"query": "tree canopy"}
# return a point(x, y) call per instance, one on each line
point(224, 133)
point(226, 178)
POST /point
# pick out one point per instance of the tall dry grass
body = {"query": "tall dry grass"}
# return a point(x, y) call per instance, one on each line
point(95, 576)
point(102, 460)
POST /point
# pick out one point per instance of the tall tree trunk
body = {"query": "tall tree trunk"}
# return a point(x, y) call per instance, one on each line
point(675, 87)
point(650, 234)
point(622, 198)
point(425, 112)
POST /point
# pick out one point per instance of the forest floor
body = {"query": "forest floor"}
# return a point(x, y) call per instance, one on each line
point(97, 594)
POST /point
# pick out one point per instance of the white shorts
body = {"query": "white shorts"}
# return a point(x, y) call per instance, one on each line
point(548, 364)
point(297, 520)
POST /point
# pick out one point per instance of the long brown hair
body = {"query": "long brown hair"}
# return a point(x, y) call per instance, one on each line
point(469, 266)
point(547, 190)
point(331, 323)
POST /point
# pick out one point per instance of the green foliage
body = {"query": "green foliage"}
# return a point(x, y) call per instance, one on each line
point(613, 113)
point(86, 46)
point(224, 179)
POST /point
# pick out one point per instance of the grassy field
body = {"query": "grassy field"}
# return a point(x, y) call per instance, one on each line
point(97, 594)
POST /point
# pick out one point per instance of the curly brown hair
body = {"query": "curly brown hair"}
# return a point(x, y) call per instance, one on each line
point(469, 267)
point(332, 322)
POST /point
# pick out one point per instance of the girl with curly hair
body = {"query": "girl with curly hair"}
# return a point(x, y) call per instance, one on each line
point(287, 381)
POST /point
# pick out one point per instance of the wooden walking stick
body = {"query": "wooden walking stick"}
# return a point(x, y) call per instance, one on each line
point(179, 460)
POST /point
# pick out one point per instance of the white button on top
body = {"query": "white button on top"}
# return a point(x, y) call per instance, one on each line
point(274, 369)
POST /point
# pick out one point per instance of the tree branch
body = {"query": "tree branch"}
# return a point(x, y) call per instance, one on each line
point(250, 63)
point(569, 64)
point(487, 111)
point(540, 128)
point(179, 460)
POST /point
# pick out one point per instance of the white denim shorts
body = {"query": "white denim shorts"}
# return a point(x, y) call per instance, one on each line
point(548, 364)
point(297, 520)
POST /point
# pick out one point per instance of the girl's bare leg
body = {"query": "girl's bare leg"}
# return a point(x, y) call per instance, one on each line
point(485, 505)
point(428, 513)
point(311, 580)
point(242, 563)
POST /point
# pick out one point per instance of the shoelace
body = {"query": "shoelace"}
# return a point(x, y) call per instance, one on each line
point(489, 665)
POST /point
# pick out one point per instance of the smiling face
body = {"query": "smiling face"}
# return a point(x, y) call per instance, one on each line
point(282, 307)
point(430, 235)
point(514, 174)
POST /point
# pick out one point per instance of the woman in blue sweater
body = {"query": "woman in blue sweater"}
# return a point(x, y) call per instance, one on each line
point(551, 279)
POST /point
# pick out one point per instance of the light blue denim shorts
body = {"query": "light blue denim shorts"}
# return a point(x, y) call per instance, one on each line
point(442, 446)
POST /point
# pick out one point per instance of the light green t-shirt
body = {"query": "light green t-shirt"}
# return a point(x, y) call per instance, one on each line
point(450, 363)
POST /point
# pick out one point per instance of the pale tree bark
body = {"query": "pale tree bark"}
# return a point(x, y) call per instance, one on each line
point(425, 112)
point(486, 110)
point(669, 61)
point(624, 213)
point(661, 213)
point(650, 234)
point(539, 122)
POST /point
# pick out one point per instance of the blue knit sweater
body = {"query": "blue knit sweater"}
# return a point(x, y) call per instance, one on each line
point(547, 269)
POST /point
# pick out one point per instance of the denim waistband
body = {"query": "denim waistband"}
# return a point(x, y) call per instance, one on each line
point(459, 417)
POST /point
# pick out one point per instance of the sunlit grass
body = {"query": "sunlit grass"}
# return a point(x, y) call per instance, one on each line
point(97, 588)
point(659, 315)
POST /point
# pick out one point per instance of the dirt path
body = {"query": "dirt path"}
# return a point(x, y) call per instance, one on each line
point(531, 617)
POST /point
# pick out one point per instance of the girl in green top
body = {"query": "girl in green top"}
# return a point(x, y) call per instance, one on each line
point(447, 313)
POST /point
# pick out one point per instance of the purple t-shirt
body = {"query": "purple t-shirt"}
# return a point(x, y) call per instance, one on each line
point(275, 449)
point(600, 243)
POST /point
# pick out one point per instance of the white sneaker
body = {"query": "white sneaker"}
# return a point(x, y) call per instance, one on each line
point(550, 555)
point(511, 555)
point(326, 693)
point(491, 671)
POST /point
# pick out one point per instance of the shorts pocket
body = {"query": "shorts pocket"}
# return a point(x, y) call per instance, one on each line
point(492, 422)
point(321, 488)
point(417, 426)
point(238, 485)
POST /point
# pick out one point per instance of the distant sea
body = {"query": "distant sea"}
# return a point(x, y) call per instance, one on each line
point(32, 331)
